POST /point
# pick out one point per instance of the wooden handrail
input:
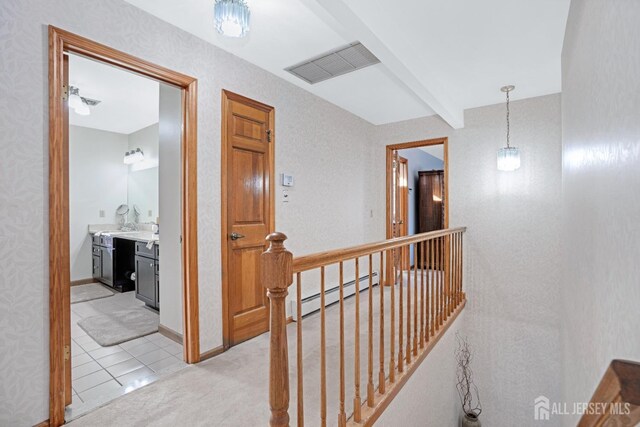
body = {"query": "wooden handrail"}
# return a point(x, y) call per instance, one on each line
point(320, 259)
point(619, 386)
point(429, 298)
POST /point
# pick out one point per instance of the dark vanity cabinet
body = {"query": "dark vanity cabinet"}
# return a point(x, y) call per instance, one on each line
point(147, 278)
point(113, 262)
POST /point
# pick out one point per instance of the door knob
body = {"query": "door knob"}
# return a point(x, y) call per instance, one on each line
point(236, 236)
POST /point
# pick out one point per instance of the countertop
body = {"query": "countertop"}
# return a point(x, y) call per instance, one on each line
point(143, 236)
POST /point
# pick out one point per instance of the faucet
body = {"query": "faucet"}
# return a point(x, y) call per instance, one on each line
point(129, 226)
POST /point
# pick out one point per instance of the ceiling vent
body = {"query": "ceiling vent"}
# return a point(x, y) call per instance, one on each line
point(335, 63)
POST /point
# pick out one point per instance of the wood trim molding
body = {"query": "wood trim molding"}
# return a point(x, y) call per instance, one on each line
point(61, 42)
point(226, 97)
point(171, 334)
point(389, 182)
point(212, 353)
point(83, 282)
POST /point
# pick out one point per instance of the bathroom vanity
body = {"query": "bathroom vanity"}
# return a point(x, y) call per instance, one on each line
point(127, 261)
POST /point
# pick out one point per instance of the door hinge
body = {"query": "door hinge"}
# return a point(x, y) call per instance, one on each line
point(268, 135)
point(65, 92)
point(67, 353)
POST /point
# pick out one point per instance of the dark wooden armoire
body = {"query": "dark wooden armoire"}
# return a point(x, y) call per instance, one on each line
point(430, 204)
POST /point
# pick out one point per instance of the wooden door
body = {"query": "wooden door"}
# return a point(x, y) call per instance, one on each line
point(247, 170)
point(400, 209)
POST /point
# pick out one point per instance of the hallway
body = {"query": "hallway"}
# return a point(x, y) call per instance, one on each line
point(202, 393)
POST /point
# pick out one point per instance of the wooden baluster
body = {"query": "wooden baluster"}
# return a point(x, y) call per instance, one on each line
point(439, 282)
point(323, 359)
point(462, 296)
point(415, 299)
point(342, 416)
point(408, 355)
point(447, 278)
point(392, 329)
point(381, 374)
point(370, 389)
point(357, 402)
point(431, 285)
point(277, 275)
point(457, 259)
point(422, 300)
point(400, 311)
point(299, 348)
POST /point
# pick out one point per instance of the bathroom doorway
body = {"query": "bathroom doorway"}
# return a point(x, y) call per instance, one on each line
point(111, 331)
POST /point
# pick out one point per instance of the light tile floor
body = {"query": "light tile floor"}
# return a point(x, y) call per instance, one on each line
point(100, 374)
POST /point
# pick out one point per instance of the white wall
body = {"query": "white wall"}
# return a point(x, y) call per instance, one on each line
point(601, 193)
point(512, 247)
point(170, 258)
point(143, 176)
point(316, 141)
point(97, 181)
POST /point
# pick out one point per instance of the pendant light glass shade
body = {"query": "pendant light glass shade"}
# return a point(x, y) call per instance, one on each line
point(508, 159)
point(75, 101)
point(232, 17)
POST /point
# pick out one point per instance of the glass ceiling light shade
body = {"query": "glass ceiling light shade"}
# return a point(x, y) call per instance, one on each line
point(133, 156)
point(232, 17)
point(508, 157)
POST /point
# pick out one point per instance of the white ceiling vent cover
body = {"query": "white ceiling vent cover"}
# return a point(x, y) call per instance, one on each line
point(335, 63)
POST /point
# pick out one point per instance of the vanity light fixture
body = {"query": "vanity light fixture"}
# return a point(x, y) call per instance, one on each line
point(79, 103)
point(133, 156)
point(508, 157)
point(232, 17)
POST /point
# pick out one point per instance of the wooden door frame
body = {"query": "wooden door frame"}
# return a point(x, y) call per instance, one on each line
point(61, 42)
point(226, 97)
point(389, 181)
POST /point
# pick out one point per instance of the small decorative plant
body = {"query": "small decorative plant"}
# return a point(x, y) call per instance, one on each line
point(467, 390)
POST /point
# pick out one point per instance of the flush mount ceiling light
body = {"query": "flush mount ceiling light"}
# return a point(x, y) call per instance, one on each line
point(80, 104)
point(232, 17)
point(133, 156)
point(508, 157)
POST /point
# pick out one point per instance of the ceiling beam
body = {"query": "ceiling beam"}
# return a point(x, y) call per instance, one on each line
point(342, 19)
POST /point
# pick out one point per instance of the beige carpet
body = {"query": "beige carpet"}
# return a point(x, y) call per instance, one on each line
point(232, 388)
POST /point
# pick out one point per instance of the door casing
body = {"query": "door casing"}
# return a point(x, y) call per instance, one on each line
point(389, 178)
point(62, 42)
point(226, 96)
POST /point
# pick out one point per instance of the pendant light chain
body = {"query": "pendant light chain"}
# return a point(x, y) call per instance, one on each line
point(508, 126)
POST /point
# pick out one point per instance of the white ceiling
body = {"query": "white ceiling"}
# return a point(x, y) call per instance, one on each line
point(438, 56)
point(129, 102)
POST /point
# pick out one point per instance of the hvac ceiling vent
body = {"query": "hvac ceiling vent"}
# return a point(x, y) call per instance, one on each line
point(335, 63)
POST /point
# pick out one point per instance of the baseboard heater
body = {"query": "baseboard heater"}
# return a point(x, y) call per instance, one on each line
point(311, 303)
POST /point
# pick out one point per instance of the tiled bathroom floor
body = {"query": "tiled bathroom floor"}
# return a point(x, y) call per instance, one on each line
point(100, 374)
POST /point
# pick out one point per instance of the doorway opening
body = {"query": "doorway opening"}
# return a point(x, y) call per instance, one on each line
point(417, 194)
point(122, 157)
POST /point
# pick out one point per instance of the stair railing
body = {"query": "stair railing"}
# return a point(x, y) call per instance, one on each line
point(419, 296)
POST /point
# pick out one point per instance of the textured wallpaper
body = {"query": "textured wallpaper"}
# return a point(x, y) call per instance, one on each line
point(601, 172)
point(337, 160)
point(319, 143)
point(512, 248)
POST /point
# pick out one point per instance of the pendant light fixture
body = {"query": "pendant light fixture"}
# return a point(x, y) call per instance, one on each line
point(508, 157)
point(232, 17)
